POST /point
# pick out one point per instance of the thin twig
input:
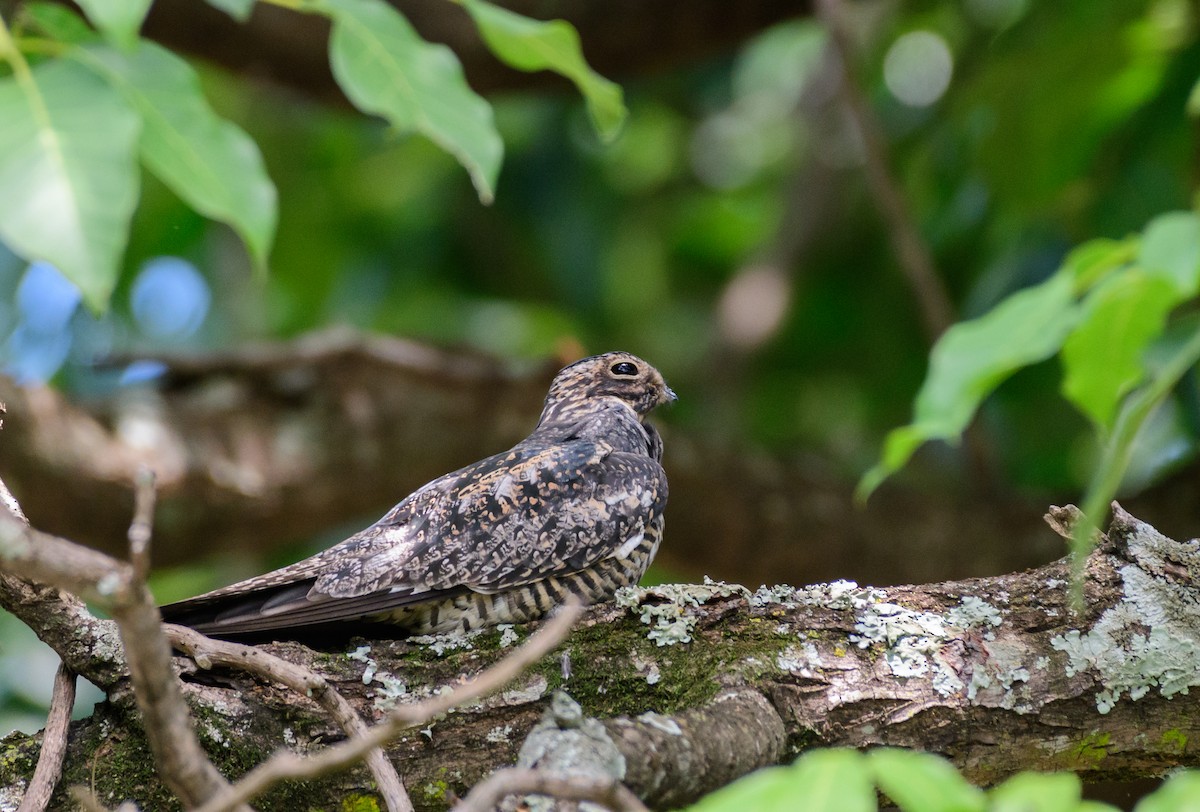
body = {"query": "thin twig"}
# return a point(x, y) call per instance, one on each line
point(286, 765)
point(112, 585)
point(184, 765)
point(912, 251)
point(141, 527)
point(916, 261)
point(88, 645)
point(208, 653)
point(515, 781)
point(62, 698)
point(54, 743)
point(45, 609)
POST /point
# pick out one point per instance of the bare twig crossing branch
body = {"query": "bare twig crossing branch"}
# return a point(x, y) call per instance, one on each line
point(916, 261)
point(113, 585)
point(62, 701)
point(284, 766)
point(54, 743)
point(142, 525)
point(208, 652)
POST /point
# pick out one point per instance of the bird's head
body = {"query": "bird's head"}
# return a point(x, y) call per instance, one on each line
point(616, 375)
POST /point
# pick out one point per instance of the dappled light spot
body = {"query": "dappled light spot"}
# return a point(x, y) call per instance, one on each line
point(141, 372)
point(33, 356)
point(41, 340)
point(45, 299)
point(918, 67)
point(727, 150)
point(753, 305)
point(170, 298)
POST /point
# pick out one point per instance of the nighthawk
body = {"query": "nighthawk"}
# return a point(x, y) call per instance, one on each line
point(576, 508)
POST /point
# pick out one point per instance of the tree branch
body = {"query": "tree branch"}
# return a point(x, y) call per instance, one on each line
point(912, 251)
point(54, 743)
point(184, 766)
point(121, 589)
point(114, 586)
point(86, 645)
point(141, 527)
point(284, 437)
point(285, 766)
point(209, 653)
point(993, 672)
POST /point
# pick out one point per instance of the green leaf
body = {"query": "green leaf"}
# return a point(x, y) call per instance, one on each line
point(58, 22)
point(1179, 793)
point(386, 68)
point(971, 359)
point(68, 174)
point(921, 782)
point(1036, 792)
point(769, 790)
point(1193, 102)
point(833, 780)
point(533, 45)
point(237, 9)
point(118, 20)
point(1171, 248)
point(209, 162)
point(1103, 354)
point(898, 447)
point(1056, 115)
point(1090, 262)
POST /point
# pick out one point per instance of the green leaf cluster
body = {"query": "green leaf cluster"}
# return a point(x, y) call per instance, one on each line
point(78, 125)
point(1105, 313)
point(82, 108)
point(844, 780)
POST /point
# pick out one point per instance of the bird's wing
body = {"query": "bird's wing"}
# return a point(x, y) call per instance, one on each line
point(395, 530)
point(519, 518)
point(505, 521)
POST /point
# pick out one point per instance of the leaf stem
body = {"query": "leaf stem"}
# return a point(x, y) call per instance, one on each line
point(41, 45)
point(1117, 454)
point(12, 54)
point(23, 74)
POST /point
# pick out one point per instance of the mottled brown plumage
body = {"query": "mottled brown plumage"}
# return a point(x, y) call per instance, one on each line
point(574, 508)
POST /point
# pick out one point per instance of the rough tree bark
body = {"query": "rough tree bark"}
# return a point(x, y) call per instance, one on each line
point(699, 684)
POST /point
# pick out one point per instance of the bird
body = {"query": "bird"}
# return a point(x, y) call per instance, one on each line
point(576, 508)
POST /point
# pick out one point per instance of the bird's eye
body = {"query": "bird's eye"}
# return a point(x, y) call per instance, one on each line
point(624, 368)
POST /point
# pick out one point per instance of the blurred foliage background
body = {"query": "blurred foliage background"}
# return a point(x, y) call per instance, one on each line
point(729, 235)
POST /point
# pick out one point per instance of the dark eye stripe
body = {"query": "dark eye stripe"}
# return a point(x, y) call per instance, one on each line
point(624, 368)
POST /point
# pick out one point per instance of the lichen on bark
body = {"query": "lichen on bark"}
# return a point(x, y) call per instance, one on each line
point(764, 675)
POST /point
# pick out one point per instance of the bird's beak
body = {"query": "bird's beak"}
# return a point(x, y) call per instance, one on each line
point(669, 395)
